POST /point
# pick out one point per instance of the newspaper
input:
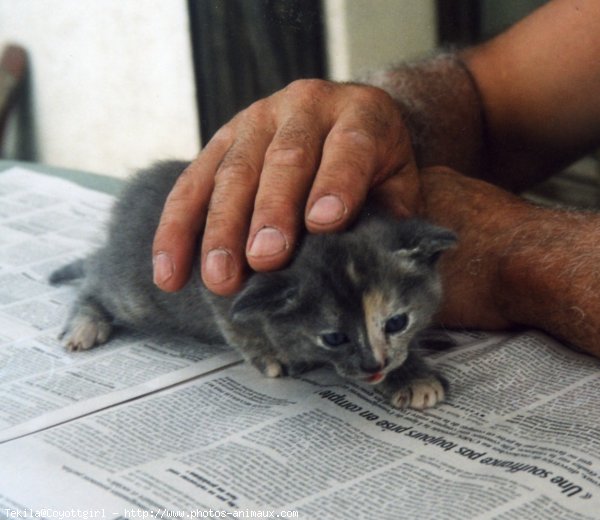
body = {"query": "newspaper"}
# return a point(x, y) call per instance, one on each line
point(166, 428)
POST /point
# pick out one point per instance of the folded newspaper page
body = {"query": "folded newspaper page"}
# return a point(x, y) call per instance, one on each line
point(45, 223)
point(517, 437)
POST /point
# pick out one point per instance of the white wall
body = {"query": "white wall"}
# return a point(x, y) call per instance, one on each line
point(112, 80)
point(365, 35)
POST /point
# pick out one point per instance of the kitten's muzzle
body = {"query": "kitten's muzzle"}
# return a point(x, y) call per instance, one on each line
point(377, 371)
point(373, 367)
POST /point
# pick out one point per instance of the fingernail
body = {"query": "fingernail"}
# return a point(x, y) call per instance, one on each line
point(218, 266)
point(268, 241)
point(163, 268)
point(327, 210)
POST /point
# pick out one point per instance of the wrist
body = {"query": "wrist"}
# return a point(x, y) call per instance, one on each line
point(441, 108)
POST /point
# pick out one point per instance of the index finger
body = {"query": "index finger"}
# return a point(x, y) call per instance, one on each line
point(184, 215)
point(367, 144)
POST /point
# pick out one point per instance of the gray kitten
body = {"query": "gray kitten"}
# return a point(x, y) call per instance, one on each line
point(358, 300)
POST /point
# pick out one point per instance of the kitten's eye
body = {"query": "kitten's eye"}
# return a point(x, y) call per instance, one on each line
point(396, 324)
point(334, 339)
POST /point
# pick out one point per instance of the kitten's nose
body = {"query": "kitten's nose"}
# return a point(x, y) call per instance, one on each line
point(371, 366)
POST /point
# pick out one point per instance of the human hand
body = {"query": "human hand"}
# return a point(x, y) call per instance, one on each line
point(308, 155)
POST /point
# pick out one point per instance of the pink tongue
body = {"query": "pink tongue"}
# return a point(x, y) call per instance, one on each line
point(375, 378)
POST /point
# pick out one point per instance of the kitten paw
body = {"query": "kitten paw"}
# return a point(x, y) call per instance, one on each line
point(273, 369)
point(419, 394)
point(268, 366)
point(83, 332)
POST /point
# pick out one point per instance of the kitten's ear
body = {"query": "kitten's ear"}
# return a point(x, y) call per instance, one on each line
point(430, 242)
point(265, 294)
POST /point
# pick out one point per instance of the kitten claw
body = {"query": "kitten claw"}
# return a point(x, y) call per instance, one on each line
point(401, 398)
point(419, 395)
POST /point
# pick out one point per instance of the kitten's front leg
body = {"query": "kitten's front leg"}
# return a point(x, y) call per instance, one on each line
point(89, 324)
point(267, 365)
point(257, 350)
point(414, 385)
point(272, 366)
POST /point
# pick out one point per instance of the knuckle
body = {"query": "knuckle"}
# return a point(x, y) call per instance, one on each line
point(175, 200)
point(355, 139)
point(278, 205)
point(378, 122)
point(294, 133)
point(235, 167)
point(224, 136)
point(185, 184)
point(376, 111)
point(233, 179)
point(180, 199)
point(168, 226)
point(350, 172)
point(229, 201)
point(302, 85)
point(309, 89)
point(370, 95)
point(292, 156)
point(256, 111)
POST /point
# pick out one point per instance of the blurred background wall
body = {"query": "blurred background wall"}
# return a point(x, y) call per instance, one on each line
point(116, 84)
point(111, 86)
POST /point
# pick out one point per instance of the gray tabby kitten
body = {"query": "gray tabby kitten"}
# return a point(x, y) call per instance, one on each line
point(357, 300)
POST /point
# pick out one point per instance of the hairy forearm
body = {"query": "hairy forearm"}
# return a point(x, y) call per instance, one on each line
point(538, 85)
point(451, 124)
point(550, 275)
point(516, 263)
point(442, 110)
point(513, 110)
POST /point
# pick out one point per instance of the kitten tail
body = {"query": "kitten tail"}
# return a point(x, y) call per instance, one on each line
point(72, 271)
